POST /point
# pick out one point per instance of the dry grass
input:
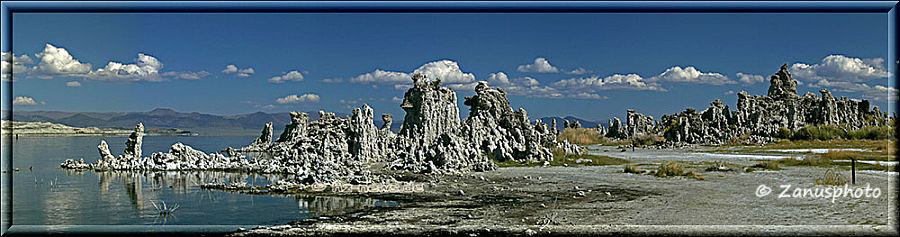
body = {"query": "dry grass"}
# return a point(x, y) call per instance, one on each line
point(670, 169)
point(646, 140)
point(633, 169)
point(769, 165)
point(831, 178)
point(581, 136)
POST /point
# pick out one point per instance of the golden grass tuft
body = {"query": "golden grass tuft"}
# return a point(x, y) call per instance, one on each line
point(831, 178)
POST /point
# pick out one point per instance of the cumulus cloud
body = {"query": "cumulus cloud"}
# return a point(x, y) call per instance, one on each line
point(749, 78)
point(841, 68)
point(846, 74)
point(448, 71)
point(73, 84)
point(539, 65)
point(13, 64)
point(293, 99)
point(241, 72)
point(691, 75)
point(289, 76)
point(616, 81)
point(877, 92)
point(57, 61)
point(578, 71)
point(145, 68)
point(521, 86)
point(24, 100)
point(186, 75)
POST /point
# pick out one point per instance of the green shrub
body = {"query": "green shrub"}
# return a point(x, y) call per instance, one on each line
point(820, 132)
point(784, 133)
point(872, 133)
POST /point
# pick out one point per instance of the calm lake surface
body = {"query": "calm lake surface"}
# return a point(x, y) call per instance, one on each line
point(45, 194)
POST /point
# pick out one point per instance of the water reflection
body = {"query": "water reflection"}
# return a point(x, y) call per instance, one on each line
point(143, 189)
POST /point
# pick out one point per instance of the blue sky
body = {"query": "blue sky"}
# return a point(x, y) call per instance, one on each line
point(625, 60)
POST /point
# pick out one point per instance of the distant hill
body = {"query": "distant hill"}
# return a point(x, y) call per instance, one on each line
point(584, 123)
point(163, 118)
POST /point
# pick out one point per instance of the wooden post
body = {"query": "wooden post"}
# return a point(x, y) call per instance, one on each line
point(853, 171)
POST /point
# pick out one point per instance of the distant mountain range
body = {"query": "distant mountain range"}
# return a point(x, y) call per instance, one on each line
point(584, 123)
point(162, 118)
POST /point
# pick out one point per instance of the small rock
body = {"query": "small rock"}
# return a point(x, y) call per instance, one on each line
point(580, 194)
point(530, 232)
point(461, 193)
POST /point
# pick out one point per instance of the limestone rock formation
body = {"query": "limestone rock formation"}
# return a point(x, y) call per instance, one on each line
point(332, 149)
point(639, 124)
point(756, 119)
point(387, 121)
point(430, 140)
point(505, 134)
point(430, 109)
point(782, 85)
point(133, 145)
point(263, 141)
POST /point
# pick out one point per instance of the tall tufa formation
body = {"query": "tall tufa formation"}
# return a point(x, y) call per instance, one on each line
point(759, 118)
point(263, 141)
point(431, 139)
point(505, 134)
point(430, 109)
point(133, 144)
point(334, 149)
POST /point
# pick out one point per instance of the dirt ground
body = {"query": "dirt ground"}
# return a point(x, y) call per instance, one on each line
point(605, 200)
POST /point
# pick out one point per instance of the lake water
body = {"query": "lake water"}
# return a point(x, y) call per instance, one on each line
point(45, 194)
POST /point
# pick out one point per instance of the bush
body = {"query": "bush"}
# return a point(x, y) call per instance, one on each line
point(669, 169)
point(872, 133)
point(632, 169)
point(831, 178)
point(820, 132)
point(784, 133)
point(769, 165)
point(646, 140)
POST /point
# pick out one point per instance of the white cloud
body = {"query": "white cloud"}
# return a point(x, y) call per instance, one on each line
point(293, 99)
point(841, 68)
point(750, 78)
point(241, 72)
point(539, 65)
point(877, 92)
point(186, 75)
point(58, 61)
point(24, 100)
point(73, 84)
point(396, 99)
point(526, 86)
point(448, 71)
point(12, 64)
point(578, 71)
point(616, 81)
point(847, 74)
point(289, 76)
point(145, 68)
point(691, 75)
